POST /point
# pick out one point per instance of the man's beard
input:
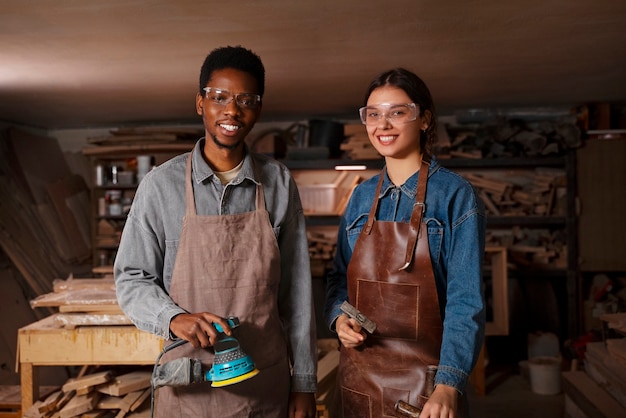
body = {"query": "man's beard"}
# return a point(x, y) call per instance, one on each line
point(224, 146)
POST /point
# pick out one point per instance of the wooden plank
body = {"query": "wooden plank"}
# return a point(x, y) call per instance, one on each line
point(112, 309)
point(126, 383)
point(73, 320)
point(79, 405)
point(51, 402)
point(120, 150)
point(88, 380)
point(131, 399)
point(616, 321)
point(500, 292)
point(109, 402)
point(591, 398)
point(78, 297)
point(140, 400)
point(71, 283)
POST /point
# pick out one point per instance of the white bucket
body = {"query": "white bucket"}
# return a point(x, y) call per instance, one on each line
point(545, 375)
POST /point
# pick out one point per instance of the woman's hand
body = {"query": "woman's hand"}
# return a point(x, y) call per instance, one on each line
point(443, 403)
point(198, 328)
point(349, 332)
point(302, 405)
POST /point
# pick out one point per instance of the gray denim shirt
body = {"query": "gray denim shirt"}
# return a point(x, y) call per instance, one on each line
point(145, 259)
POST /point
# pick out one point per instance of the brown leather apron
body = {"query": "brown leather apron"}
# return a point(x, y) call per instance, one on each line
point(230, 265)
point(391, 281)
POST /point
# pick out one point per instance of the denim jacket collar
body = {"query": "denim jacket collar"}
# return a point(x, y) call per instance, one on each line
point(409, 187)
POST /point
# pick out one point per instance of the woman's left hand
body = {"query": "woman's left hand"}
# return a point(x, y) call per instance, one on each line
point(302, 405)
point(443, 403)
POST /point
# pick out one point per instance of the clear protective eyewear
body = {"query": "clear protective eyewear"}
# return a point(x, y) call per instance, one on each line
point(394, 113)
point(223, 97)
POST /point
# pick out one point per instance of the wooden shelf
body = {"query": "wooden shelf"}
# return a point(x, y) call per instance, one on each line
point(330, 164)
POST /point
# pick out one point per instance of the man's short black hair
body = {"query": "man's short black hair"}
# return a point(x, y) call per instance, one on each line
point(236, 57)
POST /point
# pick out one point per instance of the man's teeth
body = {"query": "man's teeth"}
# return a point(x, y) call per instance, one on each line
point(230, 127)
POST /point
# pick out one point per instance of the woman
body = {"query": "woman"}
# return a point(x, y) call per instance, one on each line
point(409, 257)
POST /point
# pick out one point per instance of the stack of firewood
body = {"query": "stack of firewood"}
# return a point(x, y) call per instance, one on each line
point(530, 247)
point(322, 246)
point(507, 193)
point(508, 138)
point(99, 394)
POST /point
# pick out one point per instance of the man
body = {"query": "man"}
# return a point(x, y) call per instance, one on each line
point(220, 232)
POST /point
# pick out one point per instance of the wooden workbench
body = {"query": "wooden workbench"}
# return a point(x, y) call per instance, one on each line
point(45, 343)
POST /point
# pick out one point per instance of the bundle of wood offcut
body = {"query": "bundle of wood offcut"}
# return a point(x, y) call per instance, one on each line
point(531, 247)
point(322, 247)
point(509, 193)
point(99, 394)
point(605, 361)
point(83, 302)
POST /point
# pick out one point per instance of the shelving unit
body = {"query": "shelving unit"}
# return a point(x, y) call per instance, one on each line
point(562, 279)
point(107, 227)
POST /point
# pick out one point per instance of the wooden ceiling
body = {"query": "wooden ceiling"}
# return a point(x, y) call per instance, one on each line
point(75, 64)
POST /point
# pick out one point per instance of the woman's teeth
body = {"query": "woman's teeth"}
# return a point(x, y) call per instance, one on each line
point(386, 139)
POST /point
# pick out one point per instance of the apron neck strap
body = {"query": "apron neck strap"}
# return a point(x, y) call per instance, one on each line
point(189, 200)
point(371, 217)
point(419, 207)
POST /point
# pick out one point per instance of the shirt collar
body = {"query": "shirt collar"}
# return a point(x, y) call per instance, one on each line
point(202, 171)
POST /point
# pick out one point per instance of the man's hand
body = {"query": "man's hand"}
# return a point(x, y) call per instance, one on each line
point(198, 328)
point(349, 332)
point(302, 405)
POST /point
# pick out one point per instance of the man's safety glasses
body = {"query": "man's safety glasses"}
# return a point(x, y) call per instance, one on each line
point(223, 97)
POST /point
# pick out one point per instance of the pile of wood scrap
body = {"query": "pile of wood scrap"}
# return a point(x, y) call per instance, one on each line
point(83, 302)
point(531, 247)
point(357, 145)
point(520, 193)
point(605, 363)
point(510, 138)
point(98, 394)
point(322, 246)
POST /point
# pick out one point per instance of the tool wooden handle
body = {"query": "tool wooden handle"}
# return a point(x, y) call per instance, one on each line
point(407, 410)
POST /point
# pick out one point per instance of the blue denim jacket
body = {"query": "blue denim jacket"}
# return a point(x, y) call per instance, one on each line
point(456, 236)
point(145, 258)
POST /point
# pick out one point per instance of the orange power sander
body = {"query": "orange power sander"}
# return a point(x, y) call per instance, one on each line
point(230, 364)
